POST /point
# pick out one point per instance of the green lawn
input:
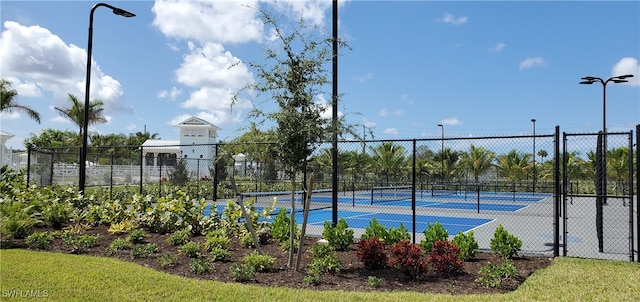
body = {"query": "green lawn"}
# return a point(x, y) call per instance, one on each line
point(64, 277)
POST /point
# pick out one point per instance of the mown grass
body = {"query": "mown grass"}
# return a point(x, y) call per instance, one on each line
point(64, 277)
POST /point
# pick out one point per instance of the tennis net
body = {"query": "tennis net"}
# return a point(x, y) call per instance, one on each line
point(444, 190)
point(320, 199)
point(390, 193)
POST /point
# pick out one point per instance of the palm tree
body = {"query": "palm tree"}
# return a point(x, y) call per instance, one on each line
point(9, 103)
point(388, 157)
point(448, 160)
point(618, 165)
point(75, 113)
point(477, 161)
point(542, 153)
point(514, 165)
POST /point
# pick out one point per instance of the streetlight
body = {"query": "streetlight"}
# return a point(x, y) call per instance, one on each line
point(85, 121)
point(534, 155)
point(590, 80)
point(442, 150)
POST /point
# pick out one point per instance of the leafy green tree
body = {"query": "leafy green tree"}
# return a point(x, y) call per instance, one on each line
point(448, 161)
point(514, 165)
point(180, 175)
point(8, 102)
point(477, 161)
point(75, 113)
point(292, 75)
point(388, 158)
point(618, 161)
point(542, 153)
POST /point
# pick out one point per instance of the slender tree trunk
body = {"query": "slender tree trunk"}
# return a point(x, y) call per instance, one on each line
point(292, 220)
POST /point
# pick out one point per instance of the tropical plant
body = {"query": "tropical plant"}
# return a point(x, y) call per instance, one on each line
point(8, 103)
point(75, 113)
point(477, 161)
point(388, 158)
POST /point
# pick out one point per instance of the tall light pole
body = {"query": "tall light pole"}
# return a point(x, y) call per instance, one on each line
point(534, 155)
point(442, 150)
point(85, 120)
point(588, 81)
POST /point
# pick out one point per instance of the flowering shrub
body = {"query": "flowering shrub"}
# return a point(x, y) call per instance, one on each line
point(445, 258)
point(372, 254)
point(408, 258)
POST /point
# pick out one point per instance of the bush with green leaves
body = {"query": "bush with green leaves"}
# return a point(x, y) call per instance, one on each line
point(324, 260)
point(280, 227)
point(179, 237)
point(260, 262)
point(56, 213)
point(377, 230)
point(242, 272)
point(467, 244)
point(246, 239)
point(504, 243)
point(397, 234)
point(340, 236)
point(119, 244)
point(217, 240)
point(40, 240)
point(144, 250)
point(434, 232)
point(374, 281)
point(18, 219)
point(492, 275)
point(199, 265)
point(191, 249)
point(168, 260)
point(219, 254)
point(137, 236)
point(79, 243)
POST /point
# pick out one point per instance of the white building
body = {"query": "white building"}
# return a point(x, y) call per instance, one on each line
point(195, 147)
point(5, 153)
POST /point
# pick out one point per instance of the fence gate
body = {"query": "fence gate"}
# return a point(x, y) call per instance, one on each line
point(40, 167)
point(598, 202)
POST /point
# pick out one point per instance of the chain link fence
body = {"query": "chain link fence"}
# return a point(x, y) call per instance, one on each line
point(543, 194)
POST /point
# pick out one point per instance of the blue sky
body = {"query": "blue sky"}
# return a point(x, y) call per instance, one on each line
point(480, 68)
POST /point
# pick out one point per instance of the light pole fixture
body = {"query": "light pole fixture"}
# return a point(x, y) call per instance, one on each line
point(534, 155)
point(588, 81)
point(85, 120)
point(442, 150)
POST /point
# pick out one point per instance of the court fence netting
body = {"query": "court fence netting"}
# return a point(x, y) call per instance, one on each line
point(564, 195)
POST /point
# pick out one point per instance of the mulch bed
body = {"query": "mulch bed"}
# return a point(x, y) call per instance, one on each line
point(352, 277)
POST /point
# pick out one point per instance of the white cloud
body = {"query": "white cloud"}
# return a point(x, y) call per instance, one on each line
point(628, 65)
point(209, 21)
point(498, 47)
point(452, 121)
point(131, 127)
point(451, 19)
point(364, 78)
point(383, 112)
point(172, 94)
point(312, 11)
point(532, 62)
point(44, 62)
point(216, 76)
point(390, 131)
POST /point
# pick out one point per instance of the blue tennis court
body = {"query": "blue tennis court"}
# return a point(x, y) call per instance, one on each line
point(361, 220)
point(484, 205)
